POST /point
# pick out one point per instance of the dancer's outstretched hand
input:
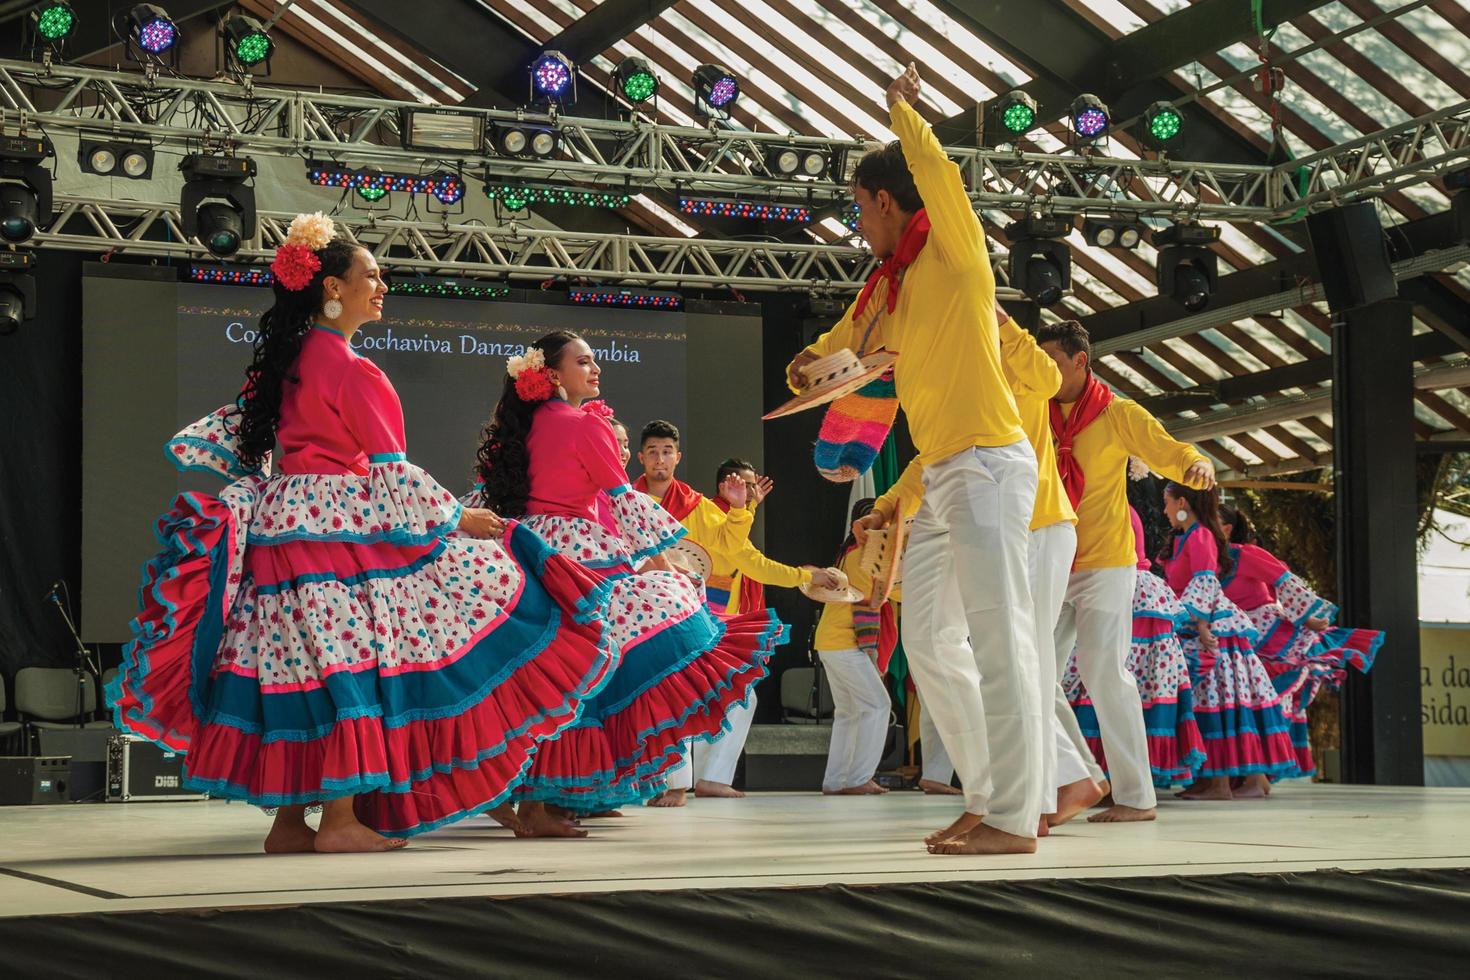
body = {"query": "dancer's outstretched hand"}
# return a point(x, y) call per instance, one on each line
point(481, 522)
point(734, 490)
point(904, 88)
point(869, 522)
point(1200, 476)
point(763, 487)
point(823, 579)
point(795, 375)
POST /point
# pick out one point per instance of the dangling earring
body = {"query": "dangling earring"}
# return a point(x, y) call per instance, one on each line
point(332, 309)
point(1181, 515)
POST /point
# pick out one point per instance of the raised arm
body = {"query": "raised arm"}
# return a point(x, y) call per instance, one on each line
point(1142, 436)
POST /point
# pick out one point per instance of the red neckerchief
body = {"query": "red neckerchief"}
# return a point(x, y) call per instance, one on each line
point(1095, 397)
point(910, 244)
point(752, 593)
point(679, 500)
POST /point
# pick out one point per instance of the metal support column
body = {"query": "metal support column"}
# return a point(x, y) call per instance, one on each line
point(1377, 559)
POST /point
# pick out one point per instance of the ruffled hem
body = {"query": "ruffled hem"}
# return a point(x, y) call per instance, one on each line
point(624, 760)
point(209, 446)
point(1203, 599)
point(1175, 747)
point(1246, 742)
point(420, 748)
point(587, 542)
point(647, 528)
point(395, 503)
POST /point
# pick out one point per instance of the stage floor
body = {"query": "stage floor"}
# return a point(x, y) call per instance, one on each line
point(112, 858)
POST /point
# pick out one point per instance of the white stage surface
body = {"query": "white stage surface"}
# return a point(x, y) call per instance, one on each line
point(124, 857)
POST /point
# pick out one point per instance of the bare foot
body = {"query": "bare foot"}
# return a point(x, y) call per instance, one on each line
point(600, 814)
point(985, 839)
point(1072, 799)
point(870, 788)
point(705, 788)
point(1255, 787)
point(536, 820)
point(936, 788)
point(1209, 788)
point(1043, 829)
point(967, 822)
point(505, 815)
point(669, 797)
point(290, 838)
point(1118, 813)
point(354, 838)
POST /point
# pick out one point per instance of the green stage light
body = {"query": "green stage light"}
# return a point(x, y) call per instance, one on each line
point(518, 197)
point(55, 21)
point(247, 40)
point(1017, 112)
point(636, 80)
point(1164, 123)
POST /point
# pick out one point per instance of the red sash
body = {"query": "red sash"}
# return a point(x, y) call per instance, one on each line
point(1095, 397)
point(910, 244)
point(679, 500)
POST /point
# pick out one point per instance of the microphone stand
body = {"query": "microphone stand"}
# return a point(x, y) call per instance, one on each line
point(83, 655)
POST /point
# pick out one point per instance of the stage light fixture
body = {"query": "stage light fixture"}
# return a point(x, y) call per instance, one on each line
point(715, 90)
point(849, 216)
point(636, 80)
point(1112, 232)
point(110, 158)
point(1090, 118)
point(25, 186)
point(523, 140)
point(1187, 269)
point(1017, 112)
point(650, 299)
point(217, 206)
point(218, 275)
point(814, 163)
point(445, 288)
point(246, 41)
point(783, 161)
point(519, 197)
point(17, 290)
point(554, 78)
point(433, 129)
point(444, 186)
point(151, 29)
point(701, 207)
point(1040, 263)
point(1163, 124)
point(54, 21)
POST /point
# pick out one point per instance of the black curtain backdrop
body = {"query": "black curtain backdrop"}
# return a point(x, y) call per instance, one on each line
point(41, 469)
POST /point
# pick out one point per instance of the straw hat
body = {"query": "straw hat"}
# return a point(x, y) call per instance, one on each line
point(845, 594)
point(690, 557)
point(831, 377)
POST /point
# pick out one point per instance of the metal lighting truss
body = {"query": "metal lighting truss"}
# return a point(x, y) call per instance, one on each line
point(507, 251)
point(188, 113)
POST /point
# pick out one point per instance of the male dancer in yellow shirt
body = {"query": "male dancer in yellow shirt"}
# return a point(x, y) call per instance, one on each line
point(1095, 432)
point(725, 534)
point(932, 301)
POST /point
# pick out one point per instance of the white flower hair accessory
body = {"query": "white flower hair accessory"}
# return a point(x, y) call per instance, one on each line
point(533, 360)
point(313, 231)
point(1137, 469)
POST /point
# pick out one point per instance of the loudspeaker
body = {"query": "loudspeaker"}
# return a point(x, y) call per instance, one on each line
point(33, 779)
point(1352, 256)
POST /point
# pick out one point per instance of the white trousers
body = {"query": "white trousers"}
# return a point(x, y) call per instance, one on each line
point(715, 761)
point(1097, 618)
point(965, 577)
point(1050, 553)
point(859, 719)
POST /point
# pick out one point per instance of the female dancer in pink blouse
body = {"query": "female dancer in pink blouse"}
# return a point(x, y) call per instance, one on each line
point(1236, 707)
point(681, 668)
point(316, 636)
point(1301, 649)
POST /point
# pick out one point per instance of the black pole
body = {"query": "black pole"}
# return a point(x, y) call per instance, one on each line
point(1377, 523)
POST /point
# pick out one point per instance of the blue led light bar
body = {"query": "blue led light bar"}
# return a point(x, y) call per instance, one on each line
point(760, 210)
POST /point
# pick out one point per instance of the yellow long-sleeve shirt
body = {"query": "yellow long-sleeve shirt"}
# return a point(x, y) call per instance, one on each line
point(1125, 428)
point(726, 536)
point(949, 377)
point(1034, 379)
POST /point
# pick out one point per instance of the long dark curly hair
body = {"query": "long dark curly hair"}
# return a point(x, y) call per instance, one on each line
point(1206, 507)
point(504, 461)
point(283, 327)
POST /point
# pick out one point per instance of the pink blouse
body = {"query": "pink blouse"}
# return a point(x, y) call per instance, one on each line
point(1252, 582)
point(574, 456)
point(1194, 552)
point(339, 414)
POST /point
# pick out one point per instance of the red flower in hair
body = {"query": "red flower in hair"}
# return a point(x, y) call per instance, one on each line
point(535, 386)
point(294, 266)
point(599, 408)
